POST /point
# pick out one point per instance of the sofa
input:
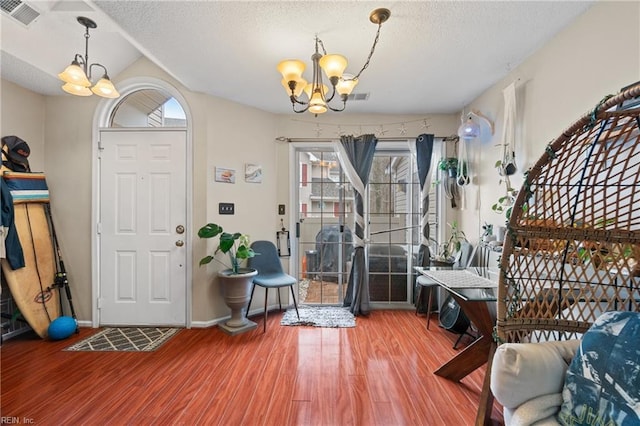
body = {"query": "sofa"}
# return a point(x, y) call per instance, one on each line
point(591, 381)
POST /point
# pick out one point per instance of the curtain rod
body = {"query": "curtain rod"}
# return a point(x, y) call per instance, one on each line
point(451, 138)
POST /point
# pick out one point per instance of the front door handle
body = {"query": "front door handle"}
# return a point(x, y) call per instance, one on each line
point(179, 243)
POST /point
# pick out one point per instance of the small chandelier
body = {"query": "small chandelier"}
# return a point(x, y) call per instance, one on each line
point(317, 94)
point(77, 76)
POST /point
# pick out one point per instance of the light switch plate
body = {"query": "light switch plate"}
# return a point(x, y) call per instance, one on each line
point(226, 208)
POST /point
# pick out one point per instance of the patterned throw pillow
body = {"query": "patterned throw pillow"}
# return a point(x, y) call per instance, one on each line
point(602, 386)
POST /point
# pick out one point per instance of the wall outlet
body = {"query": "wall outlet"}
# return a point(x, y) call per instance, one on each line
point(281, 209)
point(226, 208)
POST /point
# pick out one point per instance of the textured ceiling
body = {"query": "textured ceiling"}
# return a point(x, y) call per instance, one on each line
point(432, 57)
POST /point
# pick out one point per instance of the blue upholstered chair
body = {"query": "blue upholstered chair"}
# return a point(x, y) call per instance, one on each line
point(270, 274)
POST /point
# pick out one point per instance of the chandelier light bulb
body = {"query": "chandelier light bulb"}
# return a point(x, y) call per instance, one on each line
point(333, 65)
point(291, 69)
point(105, 88)
point(346, 84)
point(76, 89)
point(317, 105)
point(74, 74)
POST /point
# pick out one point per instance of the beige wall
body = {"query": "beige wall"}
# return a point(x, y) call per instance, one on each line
point(22, 114)
point(596, 56)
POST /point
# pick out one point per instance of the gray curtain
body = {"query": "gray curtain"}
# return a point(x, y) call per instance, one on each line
point(423, 150)
point(356, 157)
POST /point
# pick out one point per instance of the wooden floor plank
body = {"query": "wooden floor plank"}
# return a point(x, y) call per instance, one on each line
point(378, 373)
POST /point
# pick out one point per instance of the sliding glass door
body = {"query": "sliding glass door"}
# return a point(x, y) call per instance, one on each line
point(325, 219)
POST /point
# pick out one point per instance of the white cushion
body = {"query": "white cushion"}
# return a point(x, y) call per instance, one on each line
point(523, 371)
point(538, 411)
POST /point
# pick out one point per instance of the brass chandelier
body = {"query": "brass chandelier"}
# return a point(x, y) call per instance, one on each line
point(77, 76)
point(333, 65)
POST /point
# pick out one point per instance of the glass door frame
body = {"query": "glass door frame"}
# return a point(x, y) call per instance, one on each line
point(309, 255)
point(326, 145)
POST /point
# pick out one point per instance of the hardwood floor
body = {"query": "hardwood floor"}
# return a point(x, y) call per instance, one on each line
point(378, 373)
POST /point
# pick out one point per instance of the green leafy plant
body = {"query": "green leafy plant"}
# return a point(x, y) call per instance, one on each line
point(236, 245)
point(448, 250)
point(448, 163)
point(504, 203)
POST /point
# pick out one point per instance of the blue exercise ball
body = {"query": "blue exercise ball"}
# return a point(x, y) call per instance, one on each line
point(61, 328)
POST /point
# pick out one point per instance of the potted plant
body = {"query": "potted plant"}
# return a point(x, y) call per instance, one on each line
point(449, 165)
point(237, 246)
point(236, 282)
point(504, 203)
point(447, 251)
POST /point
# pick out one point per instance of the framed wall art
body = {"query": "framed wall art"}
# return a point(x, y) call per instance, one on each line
point(225, 175)
point(253, 173)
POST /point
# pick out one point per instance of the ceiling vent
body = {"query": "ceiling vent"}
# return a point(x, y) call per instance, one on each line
point(20, 11)
point(358, 97)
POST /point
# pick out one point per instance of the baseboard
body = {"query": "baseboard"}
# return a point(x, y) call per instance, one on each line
point(253, 312)
point(212, 322)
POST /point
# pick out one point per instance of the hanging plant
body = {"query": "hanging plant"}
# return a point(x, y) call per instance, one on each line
point(506, 201)
point(449, 165)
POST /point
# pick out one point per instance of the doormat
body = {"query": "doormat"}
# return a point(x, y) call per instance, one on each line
point(319, 316)
point(126, 339)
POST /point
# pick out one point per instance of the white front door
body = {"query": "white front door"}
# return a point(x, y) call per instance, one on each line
point(142, 227)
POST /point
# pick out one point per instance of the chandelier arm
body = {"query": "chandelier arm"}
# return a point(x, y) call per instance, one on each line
point(80, 60)
point(97, 65)
point(373, 48)
point(298, 111)
point(295, 100)
point(344, 105)
point(327, 100)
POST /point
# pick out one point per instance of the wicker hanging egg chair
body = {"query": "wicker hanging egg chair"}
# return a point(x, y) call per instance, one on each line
point(572, 249)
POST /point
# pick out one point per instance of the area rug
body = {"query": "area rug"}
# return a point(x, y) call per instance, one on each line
point(319, 316)
point(127, 339)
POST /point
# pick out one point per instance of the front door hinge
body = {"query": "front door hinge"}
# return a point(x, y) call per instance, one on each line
point(100, 299)
point(99, 228)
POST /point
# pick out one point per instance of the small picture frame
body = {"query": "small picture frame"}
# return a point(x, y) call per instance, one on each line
point(253, 173)
point(225, 175)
